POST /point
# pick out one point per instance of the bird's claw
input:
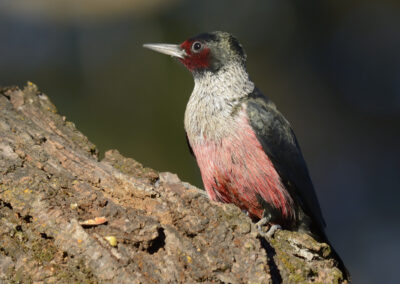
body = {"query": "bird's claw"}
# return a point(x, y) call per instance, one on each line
point(262, 222)
point(271, 230)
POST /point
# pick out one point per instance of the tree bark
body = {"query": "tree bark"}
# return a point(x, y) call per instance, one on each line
point(66, 216)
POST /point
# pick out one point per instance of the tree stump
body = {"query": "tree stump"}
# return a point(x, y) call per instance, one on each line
point(66, 216)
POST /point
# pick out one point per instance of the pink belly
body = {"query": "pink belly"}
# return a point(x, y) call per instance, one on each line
point(237, 170)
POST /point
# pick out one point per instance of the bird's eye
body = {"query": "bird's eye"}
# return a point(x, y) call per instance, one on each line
point(197, 46)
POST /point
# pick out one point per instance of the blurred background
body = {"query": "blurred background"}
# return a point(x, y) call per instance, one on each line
point(332, 68)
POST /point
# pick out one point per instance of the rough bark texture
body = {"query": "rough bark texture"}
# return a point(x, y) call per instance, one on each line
point(51, 180)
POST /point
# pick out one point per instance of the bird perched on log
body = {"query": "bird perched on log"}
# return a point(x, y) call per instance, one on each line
point(246, 150)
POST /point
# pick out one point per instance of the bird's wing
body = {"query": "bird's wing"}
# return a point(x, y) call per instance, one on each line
point(280, 144)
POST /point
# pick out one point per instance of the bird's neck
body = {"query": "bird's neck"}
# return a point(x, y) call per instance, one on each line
point(230, 82)
point(210, 113)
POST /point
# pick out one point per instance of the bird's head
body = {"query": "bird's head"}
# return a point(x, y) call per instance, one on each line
point(205, 52)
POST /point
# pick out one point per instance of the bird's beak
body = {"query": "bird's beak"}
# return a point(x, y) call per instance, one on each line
point(169, 49)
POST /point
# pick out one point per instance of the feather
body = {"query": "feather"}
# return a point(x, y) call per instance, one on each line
point(280, 144)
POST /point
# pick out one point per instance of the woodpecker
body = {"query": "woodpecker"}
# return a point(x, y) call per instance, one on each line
point(246, 150)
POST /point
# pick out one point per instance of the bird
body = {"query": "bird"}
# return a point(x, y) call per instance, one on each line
point(246, 150)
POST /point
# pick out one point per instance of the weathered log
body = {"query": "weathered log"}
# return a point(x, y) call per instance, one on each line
point(155, 228)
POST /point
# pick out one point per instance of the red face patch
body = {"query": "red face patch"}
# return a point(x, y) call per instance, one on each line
point(195, 59)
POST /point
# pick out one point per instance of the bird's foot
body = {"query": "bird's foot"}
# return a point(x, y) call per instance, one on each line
point(270, 232)
point(272, 229)
point(260, 225)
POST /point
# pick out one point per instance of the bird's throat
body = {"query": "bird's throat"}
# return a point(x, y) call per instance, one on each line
point(213, 104)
